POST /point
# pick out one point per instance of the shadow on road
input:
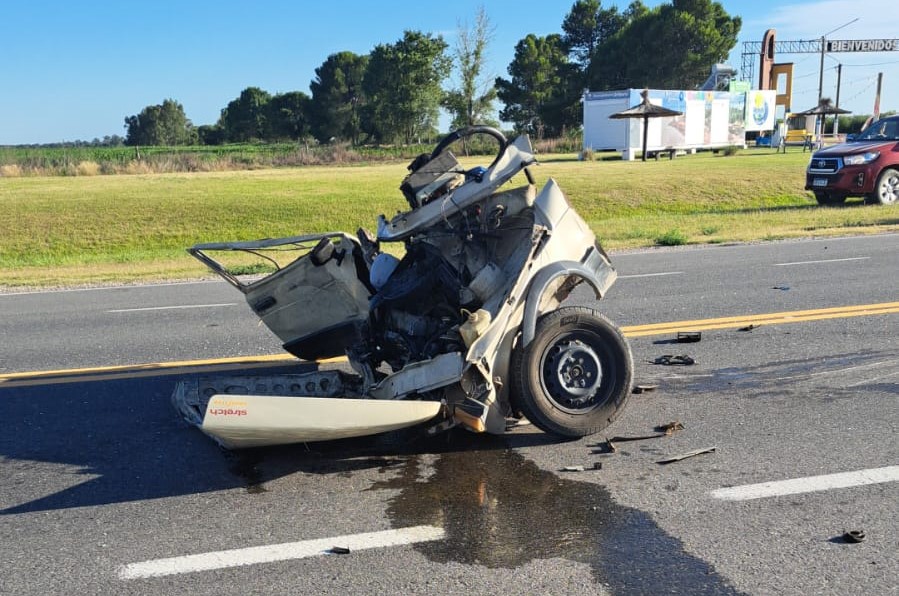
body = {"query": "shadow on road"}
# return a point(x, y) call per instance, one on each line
point(124, 438)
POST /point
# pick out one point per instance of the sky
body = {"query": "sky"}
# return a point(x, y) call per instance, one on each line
point(74, 70)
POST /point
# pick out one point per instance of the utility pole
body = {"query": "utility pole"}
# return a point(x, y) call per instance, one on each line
point(876, 114)
point(836, 117)
point(819, 120)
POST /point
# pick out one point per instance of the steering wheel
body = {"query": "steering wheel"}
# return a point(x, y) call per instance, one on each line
point(462, 133)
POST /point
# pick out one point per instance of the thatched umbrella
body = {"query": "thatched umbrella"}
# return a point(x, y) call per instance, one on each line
point(825, 107)
point(645, 110)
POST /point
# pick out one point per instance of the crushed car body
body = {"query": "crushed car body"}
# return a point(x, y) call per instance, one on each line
point(465, 327)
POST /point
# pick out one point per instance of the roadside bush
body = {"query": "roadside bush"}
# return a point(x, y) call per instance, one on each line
point(672, 238)
point(87, 168)
point(11, 170)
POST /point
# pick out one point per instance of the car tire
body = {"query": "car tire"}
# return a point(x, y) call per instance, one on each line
point(886, 190)
point(574, 377)
point(826, 198)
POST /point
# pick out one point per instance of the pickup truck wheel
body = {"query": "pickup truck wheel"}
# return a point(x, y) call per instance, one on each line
point(826, 198)
point(574, 378)
point(886, 191)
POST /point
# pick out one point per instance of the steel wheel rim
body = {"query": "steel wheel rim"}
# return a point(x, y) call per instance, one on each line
point(571, 374)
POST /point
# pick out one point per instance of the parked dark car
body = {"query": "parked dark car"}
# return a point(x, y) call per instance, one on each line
point(867, 166)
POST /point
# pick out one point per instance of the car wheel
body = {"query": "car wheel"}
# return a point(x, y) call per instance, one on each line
point(826, 198)
point(886, 191)
point(574, 378)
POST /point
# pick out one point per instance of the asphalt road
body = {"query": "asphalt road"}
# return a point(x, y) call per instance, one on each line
point(99, 475)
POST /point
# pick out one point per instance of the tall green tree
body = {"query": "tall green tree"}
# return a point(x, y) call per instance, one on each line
point(287, 116)
point(337, 97)
point(678, 43)
point(542, 94)
point(471, 102)
point(164, 124)
point(402, 87)
point(586, 26)
point(246, 118)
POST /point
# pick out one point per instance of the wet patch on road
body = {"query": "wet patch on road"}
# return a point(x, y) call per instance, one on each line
point(832, 373)
point(500, 510)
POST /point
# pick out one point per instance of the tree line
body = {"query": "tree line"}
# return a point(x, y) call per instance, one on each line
point(394, 94)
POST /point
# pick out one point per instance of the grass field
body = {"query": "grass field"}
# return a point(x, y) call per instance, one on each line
point(98, 229)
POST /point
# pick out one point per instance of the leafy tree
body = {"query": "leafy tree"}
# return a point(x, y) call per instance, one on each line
point(287, 116)
point(543, 91)
point(211, 134)
point(337, 97)
point(587, 26)
point(635, 10)
point(246, 118)
point(402, 87)
point(678, 43)
point(164, 124)
point(472, 102)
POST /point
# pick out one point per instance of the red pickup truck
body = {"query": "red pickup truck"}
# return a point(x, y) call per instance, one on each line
point(867, 166)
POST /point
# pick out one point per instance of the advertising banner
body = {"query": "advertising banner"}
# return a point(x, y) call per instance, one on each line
point(760, 107)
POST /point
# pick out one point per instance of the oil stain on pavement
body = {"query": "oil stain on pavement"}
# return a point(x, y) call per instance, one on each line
point(500, 510)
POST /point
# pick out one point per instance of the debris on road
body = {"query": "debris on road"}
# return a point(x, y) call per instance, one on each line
point(749, 327)
point(644, 388)
point(854, 536)
point(672, 360)
point(685, 337)
point(339, 550)
point(670, 428)
point(624, 439)
point(686, 455)
point(782, 288)
point(573, 469)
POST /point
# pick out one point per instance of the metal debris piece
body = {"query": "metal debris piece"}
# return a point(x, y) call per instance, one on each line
point(339, 550)
point(686, 455)
point(672, 360)
point(670, 428)
point(573, 469)
point(749, 327)
point(854, 536)
point(783, 288)
point(611, 446)
point(644, 388)
point(685, 337)
point(597, 465)
point(619, 439)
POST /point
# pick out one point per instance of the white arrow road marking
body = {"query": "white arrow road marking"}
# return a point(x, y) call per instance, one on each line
point(808, 484)
point(278, 552)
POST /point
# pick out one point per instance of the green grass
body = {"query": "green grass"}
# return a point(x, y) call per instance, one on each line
point(93, 229)
point(672, 238)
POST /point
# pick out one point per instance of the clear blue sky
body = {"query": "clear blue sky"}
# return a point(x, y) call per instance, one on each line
point(75, 69)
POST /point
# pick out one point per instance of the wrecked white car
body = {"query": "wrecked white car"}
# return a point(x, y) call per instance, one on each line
point(465, 327)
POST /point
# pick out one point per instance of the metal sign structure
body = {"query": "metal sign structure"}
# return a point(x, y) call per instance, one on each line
point(751, 49)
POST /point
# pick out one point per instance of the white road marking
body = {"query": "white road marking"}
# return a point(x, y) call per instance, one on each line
point(809, 484)
point(824, 261)
point(651, 274)
point(278, 552)
point(173, 307)
point(136, 286)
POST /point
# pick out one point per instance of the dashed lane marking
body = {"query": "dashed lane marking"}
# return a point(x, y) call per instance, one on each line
point(808, 484)
point(255, 555)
